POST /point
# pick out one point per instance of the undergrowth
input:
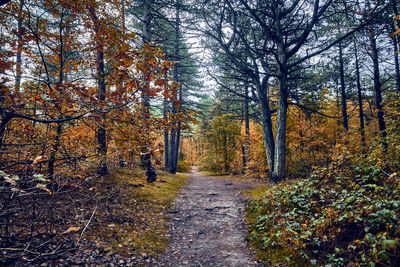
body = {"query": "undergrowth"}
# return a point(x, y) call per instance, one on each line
point(338, 216)
point(132, 220)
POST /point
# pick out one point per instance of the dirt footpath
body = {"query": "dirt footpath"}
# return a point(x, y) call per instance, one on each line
point(208, 224)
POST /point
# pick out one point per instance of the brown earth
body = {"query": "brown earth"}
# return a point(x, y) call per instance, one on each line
point(207, 225)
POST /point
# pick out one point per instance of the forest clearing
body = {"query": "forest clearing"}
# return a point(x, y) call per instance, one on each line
point(199, 133)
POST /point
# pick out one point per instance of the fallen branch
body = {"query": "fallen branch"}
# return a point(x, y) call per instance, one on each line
point(87, 224)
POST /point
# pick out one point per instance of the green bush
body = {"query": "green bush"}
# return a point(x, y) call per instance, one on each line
point(330, 219)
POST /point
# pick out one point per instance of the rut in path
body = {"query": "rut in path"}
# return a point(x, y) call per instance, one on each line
point(208, 224)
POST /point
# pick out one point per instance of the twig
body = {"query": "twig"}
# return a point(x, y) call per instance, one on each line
point(87, 224)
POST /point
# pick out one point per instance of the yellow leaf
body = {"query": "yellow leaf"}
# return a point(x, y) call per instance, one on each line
point(71, 229)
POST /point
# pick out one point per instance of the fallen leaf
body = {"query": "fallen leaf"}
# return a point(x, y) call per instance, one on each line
point(71, 229)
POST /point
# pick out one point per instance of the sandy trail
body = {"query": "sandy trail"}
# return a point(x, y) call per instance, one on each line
point(208, 224)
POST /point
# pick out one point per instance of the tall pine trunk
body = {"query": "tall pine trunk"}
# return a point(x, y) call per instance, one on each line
point(377, 83)
point(268, 137)
point(18, 63)
point(145, 98)
point(359, 96)
point(101, 93)
point(101, 131)
point(343, 88)
point(279, 170)
point(59, 130)
point(176, 77)
point(177, 103)
point(166, 136)
point(396, 47)
point(245, 114)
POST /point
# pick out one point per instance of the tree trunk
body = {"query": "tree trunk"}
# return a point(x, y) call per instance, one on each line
point(58, 106)
point(176, 77)
point(396, 48)
point(225, 148)
point(396, 62)
point(377, 82)
point(176, 132)
point(146, 39)
point(268, 137)
point(6, 118)
point(245, 114)
point(177, 146)
point(101, 132)
point(280, 128)
point(18, 63)
point(171, 167)
point(359, 95)
point(55, 150)
point(166, 137)
point(145, 151)
point(101, 92)
point(343, 88)
point(280, 134)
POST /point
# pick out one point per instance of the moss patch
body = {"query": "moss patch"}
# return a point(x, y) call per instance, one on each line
point(131, 218)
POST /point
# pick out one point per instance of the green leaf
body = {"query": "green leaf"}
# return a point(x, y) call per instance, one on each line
point(40, 177)
point(3, 174)
point(383, 256)
point(45, 97)
point(313, 262)
point(388, 244)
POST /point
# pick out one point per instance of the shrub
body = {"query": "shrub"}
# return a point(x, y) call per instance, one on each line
point(183, 166)
point(331, 219)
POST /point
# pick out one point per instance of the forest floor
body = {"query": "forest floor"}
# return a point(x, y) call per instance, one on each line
point(208, 226)
point(180, 220)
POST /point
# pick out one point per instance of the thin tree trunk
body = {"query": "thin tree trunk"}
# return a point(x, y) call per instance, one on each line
point(61, 81)
point(245, 147)
point(377, 82)
point(396, 62)
point(166, 137)
point(101, 87)
point(145, 151)
point(3, 126)
point(18, 65)
point(176, 77)
point(225, 147)
point(54, 150)
point(176, 132)
point(101, 132)
point(343, 88)
point(177, 146)
point(359, 95)
point(396, 48)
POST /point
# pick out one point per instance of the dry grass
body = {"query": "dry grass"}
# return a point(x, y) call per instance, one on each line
point(132, 219)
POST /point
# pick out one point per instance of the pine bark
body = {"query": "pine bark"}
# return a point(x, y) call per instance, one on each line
point(278, 173)
point(145, 151)
point(343, 88)
point(57, 141)
point(268, 137)
point(101, 93)
point(359, 96)
point(396, 48)
point(377, 83)
point(18, 63)
point(166, 137)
